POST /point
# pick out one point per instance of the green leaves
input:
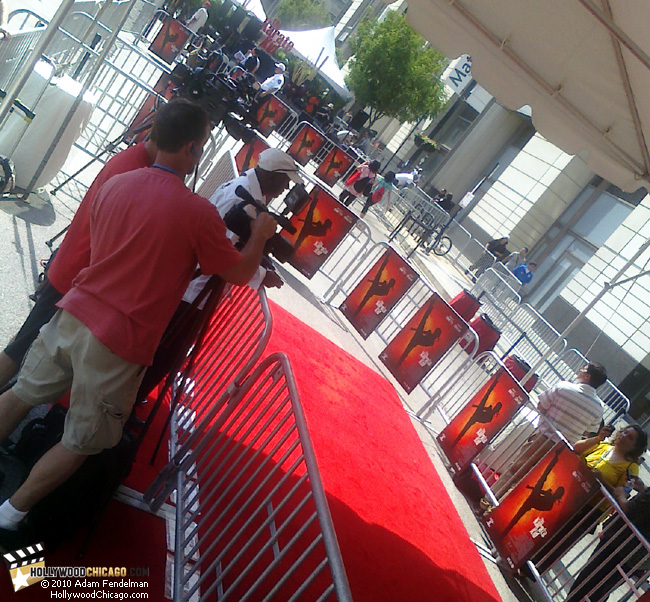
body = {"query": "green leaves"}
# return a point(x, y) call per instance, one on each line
point(394, 72)
point(297, 15)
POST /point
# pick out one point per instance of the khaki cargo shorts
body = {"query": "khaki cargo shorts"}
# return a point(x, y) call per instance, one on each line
point(102, 385)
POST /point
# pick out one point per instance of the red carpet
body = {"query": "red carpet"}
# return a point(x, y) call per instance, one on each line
point(400, 535)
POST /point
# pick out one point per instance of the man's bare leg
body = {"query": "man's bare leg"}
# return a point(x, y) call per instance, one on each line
point(12, 411)
point(54, 468)
point(8, 369)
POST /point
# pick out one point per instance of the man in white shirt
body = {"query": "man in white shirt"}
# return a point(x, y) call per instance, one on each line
point(573, 409)
point(274, 83)
point(267, 181)
point(198, 19)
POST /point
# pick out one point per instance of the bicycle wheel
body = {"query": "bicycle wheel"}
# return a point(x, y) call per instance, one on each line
point(443, 246)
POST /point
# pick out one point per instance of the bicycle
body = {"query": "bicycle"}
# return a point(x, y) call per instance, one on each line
point(438, 242)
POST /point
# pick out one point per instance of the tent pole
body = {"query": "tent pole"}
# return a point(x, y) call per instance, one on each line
point(28, 67)
point(589, 307)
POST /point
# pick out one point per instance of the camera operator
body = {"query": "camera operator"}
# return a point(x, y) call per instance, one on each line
point(147, 232)
point(265, 182)
point(260, 185)
point(272, 84)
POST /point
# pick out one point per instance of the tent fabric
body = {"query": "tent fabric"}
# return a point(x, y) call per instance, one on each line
point(254, 6)
point(317, 46)
point(584, 71)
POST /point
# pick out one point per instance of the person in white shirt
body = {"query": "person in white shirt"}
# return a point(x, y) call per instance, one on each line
point(199, 18)
point(274, 83)
point(573, 409)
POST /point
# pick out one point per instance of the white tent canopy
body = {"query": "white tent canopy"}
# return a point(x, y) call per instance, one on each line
point(254, 6)
point(317, 47)
point(583, 67)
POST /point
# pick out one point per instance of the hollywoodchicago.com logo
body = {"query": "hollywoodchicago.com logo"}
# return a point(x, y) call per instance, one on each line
point(27, 567)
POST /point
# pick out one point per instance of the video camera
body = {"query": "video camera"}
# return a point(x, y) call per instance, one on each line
point(238, 219)
point(224, 99)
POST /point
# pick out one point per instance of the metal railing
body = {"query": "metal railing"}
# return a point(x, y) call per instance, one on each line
point(252, 521)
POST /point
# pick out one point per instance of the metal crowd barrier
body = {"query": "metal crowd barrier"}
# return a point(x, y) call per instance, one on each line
point(15, 52)
point(122, 79)
point(461, 239)
point(595, 560)
point(575, 565)
point(252, 520)
point(498, 300)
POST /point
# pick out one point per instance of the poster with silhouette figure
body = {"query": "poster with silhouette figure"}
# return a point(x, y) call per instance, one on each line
point(248, 154)
point(484, 415)
point(270, 115)
point(425, 338)
point(170, 40)
point(334, 166)
point(306, 144)
point(540, 504)
point(320, 225)
point(378, 292)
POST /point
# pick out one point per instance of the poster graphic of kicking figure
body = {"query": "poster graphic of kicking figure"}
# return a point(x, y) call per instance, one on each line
point(378, 292)
point(423, 340)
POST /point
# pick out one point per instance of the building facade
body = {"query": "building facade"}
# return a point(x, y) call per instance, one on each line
point(579, 228)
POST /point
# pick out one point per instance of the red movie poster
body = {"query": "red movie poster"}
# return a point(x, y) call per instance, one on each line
point(170, 40)
point(321, 225)
point(378, 292)
point(533, 512)
point(306, 144)
point(334, 166)
point(144, 119)
point(427, 336)
point(248, 154)
point(270, 115)
point(481, 419)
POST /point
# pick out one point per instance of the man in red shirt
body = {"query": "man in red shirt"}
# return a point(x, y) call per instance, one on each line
point(148, 231)
point(72, 256)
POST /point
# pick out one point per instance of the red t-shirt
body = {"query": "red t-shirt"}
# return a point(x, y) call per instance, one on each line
point(147, 233)
point(74, 253)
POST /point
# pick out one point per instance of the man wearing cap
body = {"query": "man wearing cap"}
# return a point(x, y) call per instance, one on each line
point(265, 182)
point(272, 84)
point(268, 180)
point(198, 19)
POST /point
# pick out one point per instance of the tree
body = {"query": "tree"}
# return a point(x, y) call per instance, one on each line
point(393, 72)
point(297, 15)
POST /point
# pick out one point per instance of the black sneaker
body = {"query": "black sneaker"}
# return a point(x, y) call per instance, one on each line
point(11, 540)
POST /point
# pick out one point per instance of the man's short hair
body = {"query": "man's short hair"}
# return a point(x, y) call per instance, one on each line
point(597, 374)
point(177, 123)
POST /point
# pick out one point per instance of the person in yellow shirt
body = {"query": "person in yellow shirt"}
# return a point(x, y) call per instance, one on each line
point(615, 464)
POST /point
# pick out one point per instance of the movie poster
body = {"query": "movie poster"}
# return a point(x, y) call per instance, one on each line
point(378, 292)
point(481, 419)
point(423, 340)
point(321, 225)
point(170, 40)
point(271, 114)
point(248, 154)
point(334, 166)
point(141, 125)
point(306, 144)
point(535, 510)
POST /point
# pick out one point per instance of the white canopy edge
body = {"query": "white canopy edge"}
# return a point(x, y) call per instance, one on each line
point(317, 46)
point(561, 113)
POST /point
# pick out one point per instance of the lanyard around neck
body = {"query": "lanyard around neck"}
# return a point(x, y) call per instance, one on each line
point(169, 169)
